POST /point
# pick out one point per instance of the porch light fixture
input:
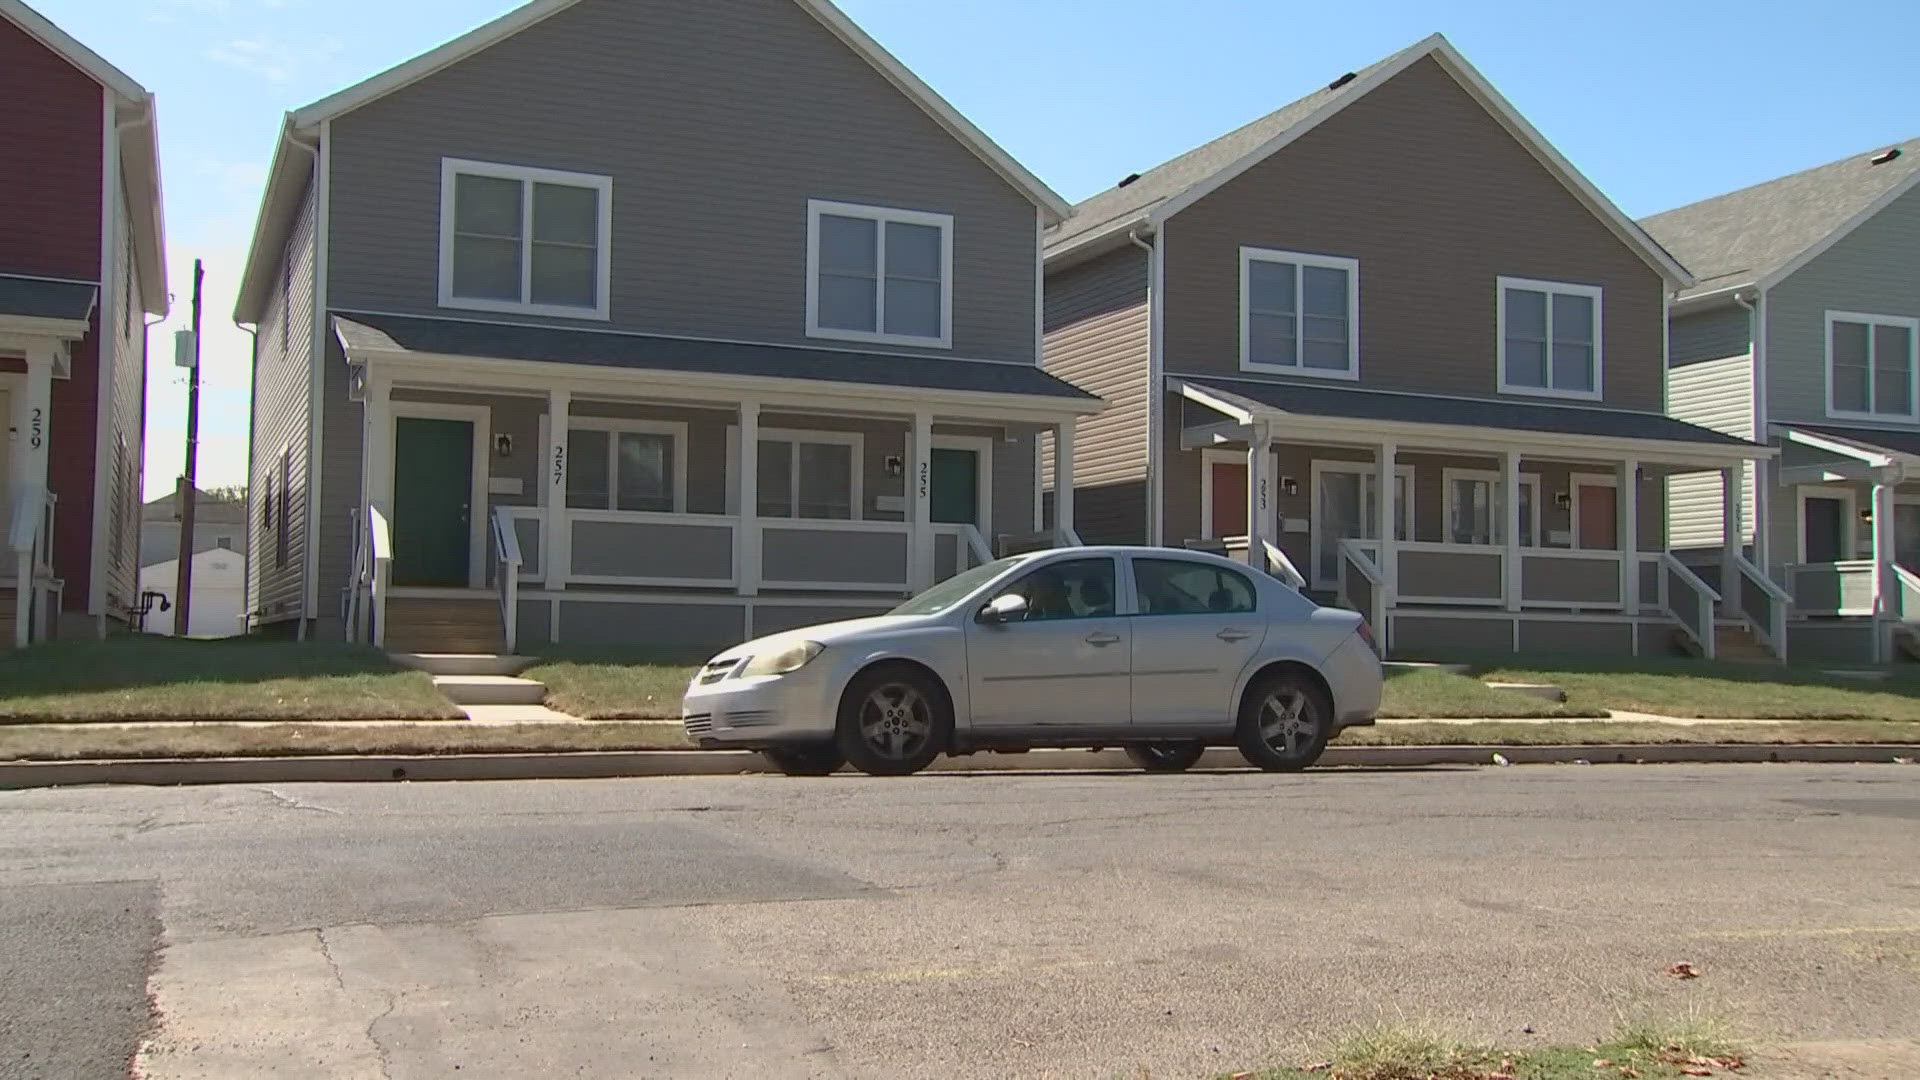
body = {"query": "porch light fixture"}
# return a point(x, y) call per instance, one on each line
point(896, 465)
point(1866, 516)
point(1563, 499)
point(503, 445)
point(1289, 485)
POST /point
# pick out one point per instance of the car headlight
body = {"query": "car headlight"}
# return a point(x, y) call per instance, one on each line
point(787, 660)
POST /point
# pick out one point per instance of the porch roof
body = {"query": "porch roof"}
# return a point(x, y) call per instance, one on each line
point(1905, 444)
point(44, 298)
point(360, 333)
point(1383, 411)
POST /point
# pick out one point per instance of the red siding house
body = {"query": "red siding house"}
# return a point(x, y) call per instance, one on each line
point(81, 266)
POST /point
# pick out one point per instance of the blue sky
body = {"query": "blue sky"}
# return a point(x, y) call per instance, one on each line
point(1660, 103)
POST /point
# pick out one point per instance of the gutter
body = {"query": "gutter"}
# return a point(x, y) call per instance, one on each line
point(1156, 498)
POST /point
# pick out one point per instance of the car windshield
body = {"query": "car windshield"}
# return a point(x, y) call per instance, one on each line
point(954, 589)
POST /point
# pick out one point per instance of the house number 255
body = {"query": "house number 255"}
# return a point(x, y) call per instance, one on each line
point(923, 479)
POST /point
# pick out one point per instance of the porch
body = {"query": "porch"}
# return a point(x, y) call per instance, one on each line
point(1575, 562)
point(41, 321)
point(618, 506)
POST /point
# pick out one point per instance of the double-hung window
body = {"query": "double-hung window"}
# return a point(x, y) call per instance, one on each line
point(1549, 338)
point(1873, 371)
point(803, 474)
point(1299, 314)
point(626, 465)
point(879, 275)
point(1477, 508)
point(519, 239)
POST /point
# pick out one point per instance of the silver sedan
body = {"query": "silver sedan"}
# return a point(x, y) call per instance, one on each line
point(1161, 651)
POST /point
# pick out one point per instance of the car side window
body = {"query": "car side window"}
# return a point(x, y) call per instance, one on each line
point(1074, 589)
point(1180, 587)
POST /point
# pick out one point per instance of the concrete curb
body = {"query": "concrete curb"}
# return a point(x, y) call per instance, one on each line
point(584, 765)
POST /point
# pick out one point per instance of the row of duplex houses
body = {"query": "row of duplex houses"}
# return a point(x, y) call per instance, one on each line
point(582, 328)
point(81, 267)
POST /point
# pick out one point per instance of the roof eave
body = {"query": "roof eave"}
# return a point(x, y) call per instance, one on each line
point(140, 169)
point(273, 224)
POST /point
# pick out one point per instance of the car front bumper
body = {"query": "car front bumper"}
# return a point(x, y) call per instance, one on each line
point(761, 710)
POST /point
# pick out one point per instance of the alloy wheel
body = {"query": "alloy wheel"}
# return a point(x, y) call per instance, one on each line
point(896, 721)
point(1287, 722)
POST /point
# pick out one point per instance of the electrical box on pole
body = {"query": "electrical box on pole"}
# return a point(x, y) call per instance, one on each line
point(186, 349)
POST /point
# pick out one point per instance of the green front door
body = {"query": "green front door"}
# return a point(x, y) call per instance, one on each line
point(956, 486)
point(432, 493)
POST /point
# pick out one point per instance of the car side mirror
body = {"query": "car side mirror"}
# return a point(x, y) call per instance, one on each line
point(1003, 608)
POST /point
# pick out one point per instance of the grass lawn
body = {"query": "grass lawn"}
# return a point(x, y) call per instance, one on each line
point(617, 683)
point(147, 677)
point(1702, 689)
point(1647, 1053)
point(1422, 694)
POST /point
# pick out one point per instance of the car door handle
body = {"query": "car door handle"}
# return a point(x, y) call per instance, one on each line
point(1233, 634)
point(1103, 639)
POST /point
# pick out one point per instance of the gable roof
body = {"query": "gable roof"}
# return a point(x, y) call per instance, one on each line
point(285, 179)
point(1760, 234)
point(139, 146)
point(1166, 189)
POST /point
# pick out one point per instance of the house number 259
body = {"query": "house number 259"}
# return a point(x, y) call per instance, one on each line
point(37, 428)
point(559, 465)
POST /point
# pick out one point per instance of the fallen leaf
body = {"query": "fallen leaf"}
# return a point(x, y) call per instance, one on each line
point(1603, 1063)
point(1683, 970)
point(1628, 1072)
point(1318, 1066)
point(1695, 1070)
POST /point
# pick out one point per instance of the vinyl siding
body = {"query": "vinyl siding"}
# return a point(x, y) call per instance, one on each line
point(1717, 394)
point(1709, 335)
point(339, 497)
point(1097, 336)
point(282, 418)
point(1874, 270)
point(50, 188)
point(717, 123)
point(126, 417)
point(1436, 200)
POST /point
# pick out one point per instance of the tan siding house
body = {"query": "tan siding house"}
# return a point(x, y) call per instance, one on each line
point(1328, 335)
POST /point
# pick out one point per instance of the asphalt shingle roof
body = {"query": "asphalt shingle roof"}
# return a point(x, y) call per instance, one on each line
point(1334, 401)
point(1740, 237)
point(454, 337)
point(44, 299)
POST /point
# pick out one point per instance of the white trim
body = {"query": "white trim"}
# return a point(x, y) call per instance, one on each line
point(982, 448)
point(676, 429)
point(1576, 481)
point(1912, 327)
point(1498, 521)
point(881, 216)
point(1316, 535)
point(106, 360)
point(526, 176)
point(1156, 390)
point(1593, 292)
point(1300, 260)
point(1849, 530)
point(1502, 111)
point(481, 417)
point(317, 380)
point(855, 439)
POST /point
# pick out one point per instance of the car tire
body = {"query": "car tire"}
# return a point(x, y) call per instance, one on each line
point(1285, 722)
point(894, 720)
point(804, 760)
point(1166, 756)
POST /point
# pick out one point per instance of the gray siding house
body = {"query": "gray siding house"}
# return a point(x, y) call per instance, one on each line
point(1391, 300)
point(640, 321)
point(1803, 330)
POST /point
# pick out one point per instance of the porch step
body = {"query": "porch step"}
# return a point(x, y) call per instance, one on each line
point(443, 625)
point(1737, 643)
point(1906, 643)
point(464, 663)
point(490, 690)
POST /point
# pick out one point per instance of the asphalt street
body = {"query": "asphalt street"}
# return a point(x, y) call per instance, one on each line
point(951, 925)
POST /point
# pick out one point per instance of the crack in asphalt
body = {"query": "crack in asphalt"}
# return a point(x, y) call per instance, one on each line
point(281, 798)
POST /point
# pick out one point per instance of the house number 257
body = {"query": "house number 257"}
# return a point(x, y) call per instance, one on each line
point(37, 428)
point(559, 465)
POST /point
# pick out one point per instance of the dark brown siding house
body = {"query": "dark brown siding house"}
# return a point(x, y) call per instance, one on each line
point(1392, 300)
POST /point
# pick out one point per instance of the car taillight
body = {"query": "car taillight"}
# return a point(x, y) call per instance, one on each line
point(1366, 635)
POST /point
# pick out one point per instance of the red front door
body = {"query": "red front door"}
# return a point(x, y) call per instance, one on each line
point(1599, 518)
point(1229, 498)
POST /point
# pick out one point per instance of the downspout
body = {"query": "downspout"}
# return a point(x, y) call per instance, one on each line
point(253, 387)
point(1156, 502)
point(1762, 478)
point(314, 389)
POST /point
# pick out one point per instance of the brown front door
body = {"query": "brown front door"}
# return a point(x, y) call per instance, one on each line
point(1229, 498)
point(1599, 518)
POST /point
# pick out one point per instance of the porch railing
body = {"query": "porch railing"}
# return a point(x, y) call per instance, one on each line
point(1363, 588)
point(1764, 606)
point(1690, 601)
point(1904, 605)
point(506, 550)
point(1475, 575)
point(367, 587)
point(30, 538)
point(1835, 588)
point(1278, 564)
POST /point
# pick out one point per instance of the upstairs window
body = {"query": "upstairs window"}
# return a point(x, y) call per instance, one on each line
point(517, 239)
point(879, 275)
point(1871, 366)
point(1549, 338)
point(1299, 314)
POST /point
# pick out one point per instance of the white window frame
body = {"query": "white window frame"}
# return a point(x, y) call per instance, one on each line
point(613, 425)
point(1849, 517)
point(1912, 326)
point(1565, 288)
point(1300, 260)
point(450, 168)
point(1496, 481)
point(880, 215)
point(1317, 537)
point(854, 439)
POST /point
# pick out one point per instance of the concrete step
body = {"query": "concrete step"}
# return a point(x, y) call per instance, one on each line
point(464, 663)
point(490, 690)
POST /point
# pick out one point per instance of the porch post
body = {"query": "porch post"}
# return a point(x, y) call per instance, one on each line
point(1512, 582)
point(1259, 442)
point(378, 484)
point(1627, 487)
point(556, 554)
point(746, 537)
point(1063, 484)
point(920, 503)
point(32, 445)
point(1883, 579)
point(1388, 515)
point(1731, 530)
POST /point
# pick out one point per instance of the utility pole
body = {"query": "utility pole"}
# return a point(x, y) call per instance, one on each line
point(188, 356)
